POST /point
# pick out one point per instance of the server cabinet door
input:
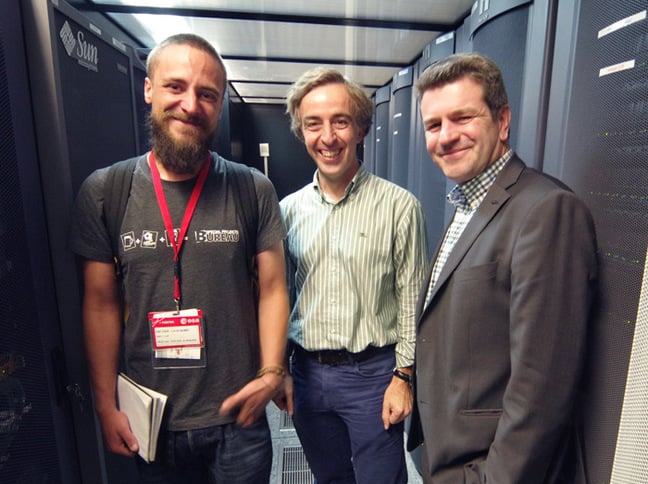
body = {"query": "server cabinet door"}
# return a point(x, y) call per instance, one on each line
point(597, 141)
point(36, 440)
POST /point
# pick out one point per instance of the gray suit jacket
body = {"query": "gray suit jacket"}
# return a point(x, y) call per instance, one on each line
point(500, 347)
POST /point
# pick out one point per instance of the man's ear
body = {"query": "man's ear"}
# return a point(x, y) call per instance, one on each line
point(361, 135)
point(504, 120)
point(148, 88)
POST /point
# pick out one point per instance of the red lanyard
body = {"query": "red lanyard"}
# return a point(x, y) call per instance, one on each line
point(177, 242)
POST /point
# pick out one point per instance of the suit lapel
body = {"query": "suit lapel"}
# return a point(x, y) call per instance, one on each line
point(423, 292)
point(495, 199)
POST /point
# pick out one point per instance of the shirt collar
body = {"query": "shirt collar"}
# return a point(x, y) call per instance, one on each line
point(469, 195)
point(356, 182)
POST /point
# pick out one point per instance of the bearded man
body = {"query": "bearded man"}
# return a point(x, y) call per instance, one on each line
point(183, 252)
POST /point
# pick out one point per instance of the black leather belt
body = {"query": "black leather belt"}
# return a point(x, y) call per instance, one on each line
point(343, 357)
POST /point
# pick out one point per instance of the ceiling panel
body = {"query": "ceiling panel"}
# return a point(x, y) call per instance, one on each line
point(277, 92)
point(287, 72)
point(267, 44)
point(233, 38)
point(259, 100)
point(431, 11)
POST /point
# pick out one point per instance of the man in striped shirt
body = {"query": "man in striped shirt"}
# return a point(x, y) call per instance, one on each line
point(356, 255)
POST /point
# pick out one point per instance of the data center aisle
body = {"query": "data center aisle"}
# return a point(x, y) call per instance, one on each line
point(289, 465)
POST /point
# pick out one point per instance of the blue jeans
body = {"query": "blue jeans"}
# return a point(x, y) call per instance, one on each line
point(337, 416)
point(224, 454)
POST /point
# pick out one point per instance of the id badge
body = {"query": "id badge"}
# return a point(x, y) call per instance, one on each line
point(177, 339)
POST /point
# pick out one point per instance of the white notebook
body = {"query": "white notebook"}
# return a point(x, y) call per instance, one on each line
point(144, 408)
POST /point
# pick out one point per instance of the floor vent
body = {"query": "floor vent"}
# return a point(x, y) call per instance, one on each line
point(286, 422)
point(294, 468)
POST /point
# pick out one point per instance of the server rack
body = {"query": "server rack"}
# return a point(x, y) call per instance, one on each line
point(80, 79)
point(36, 438)
point(381, 132)
point(429, 184)
point(400, 126)
point(369, 146)
point(597, 136)
point(142, 110)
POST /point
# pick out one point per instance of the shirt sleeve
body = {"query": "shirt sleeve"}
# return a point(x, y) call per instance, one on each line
point(410, 259)
point(89, 236)
point(271, 228)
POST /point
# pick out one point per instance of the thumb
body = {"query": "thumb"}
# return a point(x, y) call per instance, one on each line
point(229, 404)
point(130, 440)
point(132, 443)
point(385, 416)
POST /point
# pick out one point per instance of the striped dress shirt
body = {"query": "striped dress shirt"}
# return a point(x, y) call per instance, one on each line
point(355, 267)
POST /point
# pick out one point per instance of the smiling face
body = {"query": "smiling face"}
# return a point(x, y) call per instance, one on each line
point(185, 90)
point(331, 135)
point(462, 136)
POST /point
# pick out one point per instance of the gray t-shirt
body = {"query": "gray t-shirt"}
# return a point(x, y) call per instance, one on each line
point(214, 278)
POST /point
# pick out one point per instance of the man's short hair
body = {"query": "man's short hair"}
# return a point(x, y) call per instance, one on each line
point(192, 40)
point(361, 105)
point(479, 68)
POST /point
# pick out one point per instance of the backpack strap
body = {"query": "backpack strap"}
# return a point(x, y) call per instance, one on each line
point(116, 192)
point(242, 182)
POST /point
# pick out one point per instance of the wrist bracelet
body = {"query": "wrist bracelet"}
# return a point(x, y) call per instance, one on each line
point(403, 376)
point(276, 370)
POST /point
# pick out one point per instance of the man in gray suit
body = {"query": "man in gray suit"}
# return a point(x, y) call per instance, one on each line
point(502, 320)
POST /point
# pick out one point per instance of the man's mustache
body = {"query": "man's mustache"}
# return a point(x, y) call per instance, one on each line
point(186, 118)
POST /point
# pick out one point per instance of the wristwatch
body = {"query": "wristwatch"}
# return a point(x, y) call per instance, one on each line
point(402, 375)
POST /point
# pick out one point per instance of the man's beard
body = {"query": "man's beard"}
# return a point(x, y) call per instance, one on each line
point(181, 158)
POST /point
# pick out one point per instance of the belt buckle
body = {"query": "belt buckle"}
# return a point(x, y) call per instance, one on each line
point(333, 357)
